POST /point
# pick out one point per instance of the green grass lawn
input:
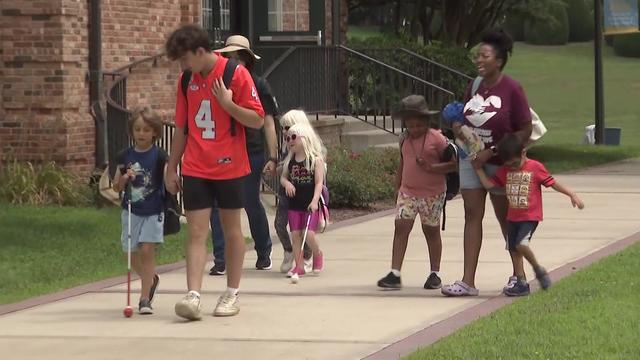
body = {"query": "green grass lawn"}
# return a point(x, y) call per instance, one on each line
point(594, 314)
point(47, 249)
point(559, 82)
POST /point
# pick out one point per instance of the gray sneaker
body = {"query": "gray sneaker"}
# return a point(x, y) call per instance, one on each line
point(189, 306)
point(433, 282)
point(510, 283)
point(228, 305)
point(287, 262)
point(543, 278)
point(144, 307)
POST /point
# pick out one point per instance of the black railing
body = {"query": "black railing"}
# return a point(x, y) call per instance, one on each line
point(118, 114)
point(340, 80)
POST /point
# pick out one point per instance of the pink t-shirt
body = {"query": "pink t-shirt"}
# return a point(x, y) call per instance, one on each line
point(523, 188)
point(494, 112)
point(416, 181)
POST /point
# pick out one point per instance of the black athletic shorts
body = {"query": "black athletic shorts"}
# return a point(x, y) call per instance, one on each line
point(520, 232)
point(202, 193)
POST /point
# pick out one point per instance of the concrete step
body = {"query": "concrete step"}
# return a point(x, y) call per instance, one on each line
point(360, 140)
point(352, 124)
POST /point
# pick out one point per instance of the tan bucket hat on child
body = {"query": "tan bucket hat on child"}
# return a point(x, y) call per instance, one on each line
point(235, 43)
point(413, 105)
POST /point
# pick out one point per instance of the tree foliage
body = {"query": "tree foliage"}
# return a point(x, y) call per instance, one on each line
point(460, 22)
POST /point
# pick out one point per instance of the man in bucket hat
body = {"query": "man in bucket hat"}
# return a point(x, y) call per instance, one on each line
point(238, 47)
point(420, 186)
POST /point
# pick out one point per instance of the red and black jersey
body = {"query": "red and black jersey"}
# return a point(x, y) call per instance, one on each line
point(211, 151)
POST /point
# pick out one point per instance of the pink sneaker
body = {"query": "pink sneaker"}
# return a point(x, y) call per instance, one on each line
point(296, 270)
point(318, 263)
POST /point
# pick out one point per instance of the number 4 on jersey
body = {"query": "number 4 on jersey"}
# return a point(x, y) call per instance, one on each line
point(204, 120)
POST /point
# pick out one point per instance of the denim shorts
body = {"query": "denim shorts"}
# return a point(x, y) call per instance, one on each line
point(520, 233)
point(144, 229)
point(469, 178)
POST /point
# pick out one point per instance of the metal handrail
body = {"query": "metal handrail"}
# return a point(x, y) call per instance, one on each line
point(278, 61)
point(414, 54)
point(404, 73)
point(122, 73)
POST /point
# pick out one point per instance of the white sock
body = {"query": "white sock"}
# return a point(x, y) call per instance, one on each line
point(232, 291)
point(395, 272)
point(195, 293)
point(435, 272)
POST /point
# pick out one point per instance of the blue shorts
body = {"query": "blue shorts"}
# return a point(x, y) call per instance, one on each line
point(520, 233)
point(469, 178)
point(144, 229)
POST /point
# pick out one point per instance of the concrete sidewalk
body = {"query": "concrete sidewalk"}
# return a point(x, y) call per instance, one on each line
point(337, 315)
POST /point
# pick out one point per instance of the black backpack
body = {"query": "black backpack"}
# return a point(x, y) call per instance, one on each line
point(227, 76)
point(170, 208)
point(452, 178)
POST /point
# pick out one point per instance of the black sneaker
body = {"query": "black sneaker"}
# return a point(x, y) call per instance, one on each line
point(390, 282)
point(543, 278)
point(521, 288)
point(144, 307)
point(263, 262)
point(433, 282)
point(218, 269)
point(154, 287)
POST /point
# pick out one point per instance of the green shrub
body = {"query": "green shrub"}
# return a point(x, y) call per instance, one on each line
point(24, 183)
point(553, 32)
point(365, 77)
point(627, 45)
point(358, 180)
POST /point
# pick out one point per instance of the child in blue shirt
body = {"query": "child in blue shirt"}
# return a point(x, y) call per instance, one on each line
point(141, 176)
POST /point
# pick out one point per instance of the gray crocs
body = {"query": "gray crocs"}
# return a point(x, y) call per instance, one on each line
point(459, 288)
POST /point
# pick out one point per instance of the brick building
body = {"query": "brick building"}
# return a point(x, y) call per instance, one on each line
point(57, 55)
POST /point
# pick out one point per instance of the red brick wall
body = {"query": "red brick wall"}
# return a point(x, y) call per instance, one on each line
point(44, 95)
point(43, 62)
point(135, 29)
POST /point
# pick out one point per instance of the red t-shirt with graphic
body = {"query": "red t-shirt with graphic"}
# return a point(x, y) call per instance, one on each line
point(211, 152)
point(523, 188)
point(494, 112)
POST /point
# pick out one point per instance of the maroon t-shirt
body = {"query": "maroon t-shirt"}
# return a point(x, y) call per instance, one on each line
point(494, 112)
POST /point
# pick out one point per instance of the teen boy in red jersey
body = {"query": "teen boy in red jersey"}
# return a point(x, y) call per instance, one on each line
point(210, 140)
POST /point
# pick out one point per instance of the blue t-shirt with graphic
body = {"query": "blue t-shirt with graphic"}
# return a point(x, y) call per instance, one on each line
point(147, 187)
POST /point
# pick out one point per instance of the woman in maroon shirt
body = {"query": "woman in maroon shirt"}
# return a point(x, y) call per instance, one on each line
point(497, 106)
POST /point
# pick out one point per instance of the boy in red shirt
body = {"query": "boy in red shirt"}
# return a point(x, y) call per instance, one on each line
point(522, 179)
point(210, 123)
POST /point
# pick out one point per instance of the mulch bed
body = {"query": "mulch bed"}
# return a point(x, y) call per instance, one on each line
point(340, 214)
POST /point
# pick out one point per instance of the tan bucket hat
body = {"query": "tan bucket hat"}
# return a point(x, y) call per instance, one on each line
point(237, 42)
point(413, 105)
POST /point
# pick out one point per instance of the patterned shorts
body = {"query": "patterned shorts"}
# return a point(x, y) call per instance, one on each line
point(408, 207)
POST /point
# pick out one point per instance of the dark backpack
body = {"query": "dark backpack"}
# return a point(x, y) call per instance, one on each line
point(227, 76)
point(452, 178)
point(170, 207)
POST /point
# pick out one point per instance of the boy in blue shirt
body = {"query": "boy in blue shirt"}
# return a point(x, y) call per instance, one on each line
point(141, 176)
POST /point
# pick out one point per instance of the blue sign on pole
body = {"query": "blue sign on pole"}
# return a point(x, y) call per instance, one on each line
point(620, 16)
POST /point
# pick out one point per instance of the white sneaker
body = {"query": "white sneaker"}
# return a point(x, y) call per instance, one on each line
point(287, 262)
point(189, 306)
point(308, 266)
point(228, 305)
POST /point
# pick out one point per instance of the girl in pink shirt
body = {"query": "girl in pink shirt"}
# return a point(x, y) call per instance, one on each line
point(421, 187)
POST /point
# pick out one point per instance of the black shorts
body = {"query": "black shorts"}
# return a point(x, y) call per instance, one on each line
point(202, 193)
point(519, 232)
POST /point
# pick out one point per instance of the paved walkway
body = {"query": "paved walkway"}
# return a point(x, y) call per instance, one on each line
point(338, 315)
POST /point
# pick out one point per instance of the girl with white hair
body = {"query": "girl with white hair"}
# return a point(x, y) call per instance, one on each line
point(302, 179)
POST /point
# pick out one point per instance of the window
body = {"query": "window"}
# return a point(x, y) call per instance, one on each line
point(288, 15)
point(207, 15)
point(225, 14)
